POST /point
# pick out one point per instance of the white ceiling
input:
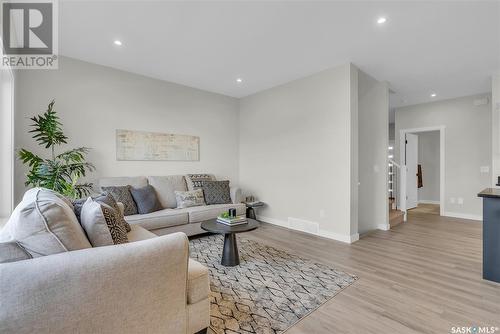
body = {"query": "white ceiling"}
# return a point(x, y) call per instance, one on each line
point(450, 48)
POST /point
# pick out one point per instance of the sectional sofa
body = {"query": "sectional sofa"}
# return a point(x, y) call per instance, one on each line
point(52, 280)
point(170, 219)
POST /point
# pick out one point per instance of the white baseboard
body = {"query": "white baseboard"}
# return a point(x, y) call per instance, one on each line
point(463, 215)
point(339, 237)
point(424, 201)
point(384, 227)
point(322, 233)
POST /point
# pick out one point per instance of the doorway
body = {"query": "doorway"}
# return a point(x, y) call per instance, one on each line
point(422, 153)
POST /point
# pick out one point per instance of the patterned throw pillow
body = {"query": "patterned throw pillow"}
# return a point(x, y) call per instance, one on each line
point(102, 224)
point(194, 181)
point(117, 230)
point(122, 194)
point(107, 199)
point(186, 199)
point(146, 200)
point(216, 192)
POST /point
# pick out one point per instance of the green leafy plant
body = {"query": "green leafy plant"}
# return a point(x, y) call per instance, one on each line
point(225, 215)
point(60, 172)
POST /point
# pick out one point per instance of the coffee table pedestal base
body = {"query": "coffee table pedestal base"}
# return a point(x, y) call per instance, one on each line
point(230, 256)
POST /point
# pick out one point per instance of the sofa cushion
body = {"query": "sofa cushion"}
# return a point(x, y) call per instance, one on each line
point(103, 224)
point(138, 233)
point(166, 186)
point(44, 223)
point(198, 282)
point(216, 192)
point(146, 200)
point(194, 181)
point(202, 213)
point(186, 199)
point(122, 194)
point(135, 181)
point(11, 252)
point(160, 219)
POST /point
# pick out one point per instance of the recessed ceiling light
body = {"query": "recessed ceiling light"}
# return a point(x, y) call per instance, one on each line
point(382, 20)
point(117, 42)
point(239, 80)
point(433, 95)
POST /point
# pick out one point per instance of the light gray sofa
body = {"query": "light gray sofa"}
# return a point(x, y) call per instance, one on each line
point(170, 219)
point(149, 285)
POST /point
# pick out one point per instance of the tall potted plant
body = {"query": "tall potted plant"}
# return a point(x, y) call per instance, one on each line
point(60, 172)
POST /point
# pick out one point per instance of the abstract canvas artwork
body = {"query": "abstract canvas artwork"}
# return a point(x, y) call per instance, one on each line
point(141, 145)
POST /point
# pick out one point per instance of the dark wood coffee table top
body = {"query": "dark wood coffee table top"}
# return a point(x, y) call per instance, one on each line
point(215, 227)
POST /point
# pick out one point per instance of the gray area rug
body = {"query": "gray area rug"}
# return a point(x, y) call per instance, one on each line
point(269, 291)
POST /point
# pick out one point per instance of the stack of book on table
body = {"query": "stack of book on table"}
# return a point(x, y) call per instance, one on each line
point(232, 221)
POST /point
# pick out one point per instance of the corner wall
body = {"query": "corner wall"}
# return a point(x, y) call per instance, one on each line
point(93, 101)
point(373, 113)
point(495, 123)
point(296, 151)
point(7, 95)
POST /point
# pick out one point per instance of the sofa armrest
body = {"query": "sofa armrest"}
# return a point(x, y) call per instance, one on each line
point(139, 287)
point(236, 196)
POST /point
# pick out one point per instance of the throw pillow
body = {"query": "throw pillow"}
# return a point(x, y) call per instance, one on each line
point(43, 224)
point(12, 252)
point(194, 181)
point(122, 194)
point(107, 199)
point(186, 199)
point(146, 200)
point(102, 224)
point(216, 192)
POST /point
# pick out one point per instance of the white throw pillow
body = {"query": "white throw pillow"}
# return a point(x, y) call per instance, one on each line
point(94, 224)
point(44, 223)
point(186, 199)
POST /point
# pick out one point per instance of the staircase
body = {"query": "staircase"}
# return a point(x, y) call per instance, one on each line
point(396, 216)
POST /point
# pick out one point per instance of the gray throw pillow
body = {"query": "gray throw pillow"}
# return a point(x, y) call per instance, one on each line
point(186, 199)
point(105, 198)
point(122, 194)
point(146, 200)
point(102, 224)
point(216, 192)
point(44, 223)
point(12, 252)
point(194, 181)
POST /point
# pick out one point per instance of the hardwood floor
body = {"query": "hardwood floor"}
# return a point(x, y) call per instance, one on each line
point(423, 276)
point(426, 208)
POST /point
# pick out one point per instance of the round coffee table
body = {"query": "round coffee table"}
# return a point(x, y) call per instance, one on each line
point(230, 256)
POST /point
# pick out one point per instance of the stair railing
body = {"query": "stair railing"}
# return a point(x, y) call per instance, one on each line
point(394, 179)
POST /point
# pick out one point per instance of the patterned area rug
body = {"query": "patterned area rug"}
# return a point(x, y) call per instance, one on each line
point(269, 291)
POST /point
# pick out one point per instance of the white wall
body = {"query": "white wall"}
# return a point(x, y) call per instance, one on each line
point(295, 152)
point(428, 158)
point(467, 147)
point(373, 114)
point(495, 124)
point(93, 101)
point(6, 141)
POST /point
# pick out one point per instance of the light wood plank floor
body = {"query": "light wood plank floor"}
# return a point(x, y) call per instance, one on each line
point(424, 276)
point(426, 208)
